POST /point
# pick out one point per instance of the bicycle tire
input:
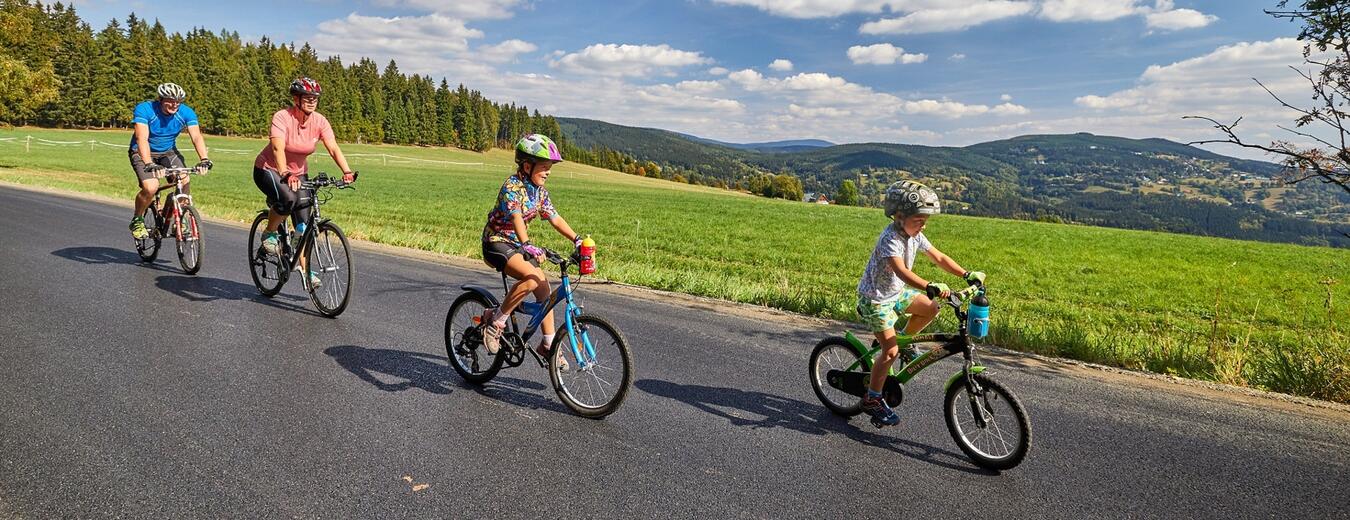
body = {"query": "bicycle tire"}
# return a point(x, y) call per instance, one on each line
point(190, 255)
point(324, 261)
point(835, 353)
point(463, 341)
point(260, 262)
point(977, 451)
point(148, 248)
point(598, 374)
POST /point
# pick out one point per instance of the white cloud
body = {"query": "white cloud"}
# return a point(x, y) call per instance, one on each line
point(414, 36)
point(957, 57)
point(818, 8)
point(882, 54)
point(718, 71)
point(505, 51)
point(462, 9)
point(1166, 18)
point(1163, 15)
point(820, 93)
point(1087, 10)
point(946, 19)
point(610, 59)
point(698, 87)
point(781, 65)
point(1005, 97)
point(1009, 109)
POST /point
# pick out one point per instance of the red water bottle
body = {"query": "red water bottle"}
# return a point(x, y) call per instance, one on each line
point(587, 255)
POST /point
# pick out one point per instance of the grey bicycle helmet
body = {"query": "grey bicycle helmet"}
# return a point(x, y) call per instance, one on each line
point(911, 198)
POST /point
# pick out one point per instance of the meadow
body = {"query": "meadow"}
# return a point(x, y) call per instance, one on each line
point(1269, 316)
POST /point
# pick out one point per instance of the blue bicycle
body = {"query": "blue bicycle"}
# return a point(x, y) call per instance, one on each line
point(589, 363)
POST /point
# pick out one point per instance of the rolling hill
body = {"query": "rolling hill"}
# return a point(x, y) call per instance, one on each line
point(1150, 184)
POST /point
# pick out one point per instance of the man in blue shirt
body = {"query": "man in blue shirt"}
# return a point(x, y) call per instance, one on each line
point(156, 125)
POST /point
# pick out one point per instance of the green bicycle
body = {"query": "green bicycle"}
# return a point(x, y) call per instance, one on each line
point(985, 419)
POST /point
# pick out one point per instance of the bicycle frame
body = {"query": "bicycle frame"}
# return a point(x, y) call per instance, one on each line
point(174, 201)
point(537, 311)
point(935, 347)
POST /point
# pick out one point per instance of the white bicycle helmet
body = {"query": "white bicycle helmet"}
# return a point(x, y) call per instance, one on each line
point(171, 91)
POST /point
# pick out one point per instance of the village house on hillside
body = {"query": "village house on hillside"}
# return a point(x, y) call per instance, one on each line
point(816, 198)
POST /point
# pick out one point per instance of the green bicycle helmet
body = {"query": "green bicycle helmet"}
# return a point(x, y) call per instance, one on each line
point(537, 147)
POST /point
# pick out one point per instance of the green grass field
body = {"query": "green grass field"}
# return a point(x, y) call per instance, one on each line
point(1270, 316)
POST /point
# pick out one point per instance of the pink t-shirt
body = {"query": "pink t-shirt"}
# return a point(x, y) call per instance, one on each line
point(301, 140)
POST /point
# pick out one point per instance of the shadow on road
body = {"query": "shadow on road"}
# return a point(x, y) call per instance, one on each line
point(105, 255)
point(432, 373)
point(207, 289)
point(762, 410)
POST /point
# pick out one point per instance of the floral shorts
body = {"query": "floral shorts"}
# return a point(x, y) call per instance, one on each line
point(882, 316)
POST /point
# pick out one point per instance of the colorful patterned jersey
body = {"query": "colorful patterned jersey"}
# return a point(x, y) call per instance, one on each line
point(517, 197)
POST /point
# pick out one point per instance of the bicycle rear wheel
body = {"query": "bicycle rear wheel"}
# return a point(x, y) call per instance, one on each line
point(330, 259)
point(148, 248)
point(990, 426)
point(595, 385)
point(464, 340)
point(190, 245)
point(269, 271)
point(835, 354)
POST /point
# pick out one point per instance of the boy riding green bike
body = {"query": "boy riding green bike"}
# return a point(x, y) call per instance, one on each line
point(889, 287)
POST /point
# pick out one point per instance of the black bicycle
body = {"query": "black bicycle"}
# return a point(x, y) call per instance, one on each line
point(321, 250)
point(178, 219)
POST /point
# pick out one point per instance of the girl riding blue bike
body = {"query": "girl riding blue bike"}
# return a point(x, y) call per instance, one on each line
point(506, 240)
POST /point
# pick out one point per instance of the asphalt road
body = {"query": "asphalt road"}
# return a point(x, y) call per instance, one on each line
point(129, 389)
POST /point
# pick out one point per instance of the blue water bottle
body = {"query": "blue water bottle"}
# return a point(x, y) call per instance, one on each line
point(977, 317)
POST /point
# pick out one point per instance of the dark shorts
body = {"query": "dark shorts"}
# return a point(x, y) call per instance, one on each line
point(169, 159)
point(280, 197)
point(496, 254)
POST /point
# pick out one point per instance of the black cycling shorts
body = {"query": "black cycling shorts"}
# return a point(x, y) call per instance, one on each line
point(169, 159)
point(496, 254)
point(280, 197)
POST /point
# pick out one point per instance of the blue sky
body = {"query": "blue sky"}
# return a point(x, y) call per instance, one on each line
point(941, 72)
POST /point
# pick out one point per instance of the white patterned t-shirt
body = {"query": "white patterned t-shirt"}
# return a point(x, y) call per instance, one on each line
point(879, 282)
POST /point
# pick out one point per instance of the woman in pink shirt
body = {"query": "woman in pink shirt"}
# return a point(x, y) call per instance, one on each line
point(279, 168)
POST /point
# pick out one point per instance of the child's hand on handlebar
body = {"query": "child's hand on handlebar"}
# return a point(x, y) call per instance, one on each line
point(349, 177)
point(974, 277)
point(935, 290)
point(533, 250)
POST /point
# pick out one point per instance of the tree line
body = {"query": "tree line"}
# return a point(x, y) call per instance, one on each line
point(56, 70)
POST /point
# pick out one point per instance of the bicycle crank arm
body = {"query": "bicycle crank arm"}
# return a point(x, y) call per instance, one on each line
point(855, 383)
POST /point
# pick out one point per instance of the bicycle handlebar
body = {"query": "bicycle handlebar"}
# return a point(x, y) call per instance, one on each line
point(323, 180)
point(167, 172)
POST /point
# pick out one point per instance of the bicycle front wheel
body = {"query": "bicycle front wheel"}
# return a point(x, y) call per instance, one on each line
point(148, 247)
point(600, 371)
point(988, 424)
point(330, 259)
point(269, 270)
point(835, 354)
point(464, 340)
point(190, 244)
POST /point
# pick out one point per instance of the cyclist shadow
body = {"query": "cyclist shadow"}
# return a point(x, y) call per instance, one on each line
point(107, 255)
point(740, 407)
point(207, 289)
point(432, 373)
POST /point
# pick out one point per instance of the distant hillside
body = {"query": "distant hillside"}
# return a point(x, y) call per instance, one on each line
point(1154, 184)
point(792, 145)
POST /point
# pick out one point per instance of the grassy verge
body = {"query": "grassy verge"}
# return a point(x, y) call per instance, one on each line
point(1270, 316)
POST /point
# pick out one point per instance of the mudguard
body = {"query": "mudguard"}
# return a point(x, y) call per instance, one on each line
point(973, 370)
point(486, 294)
